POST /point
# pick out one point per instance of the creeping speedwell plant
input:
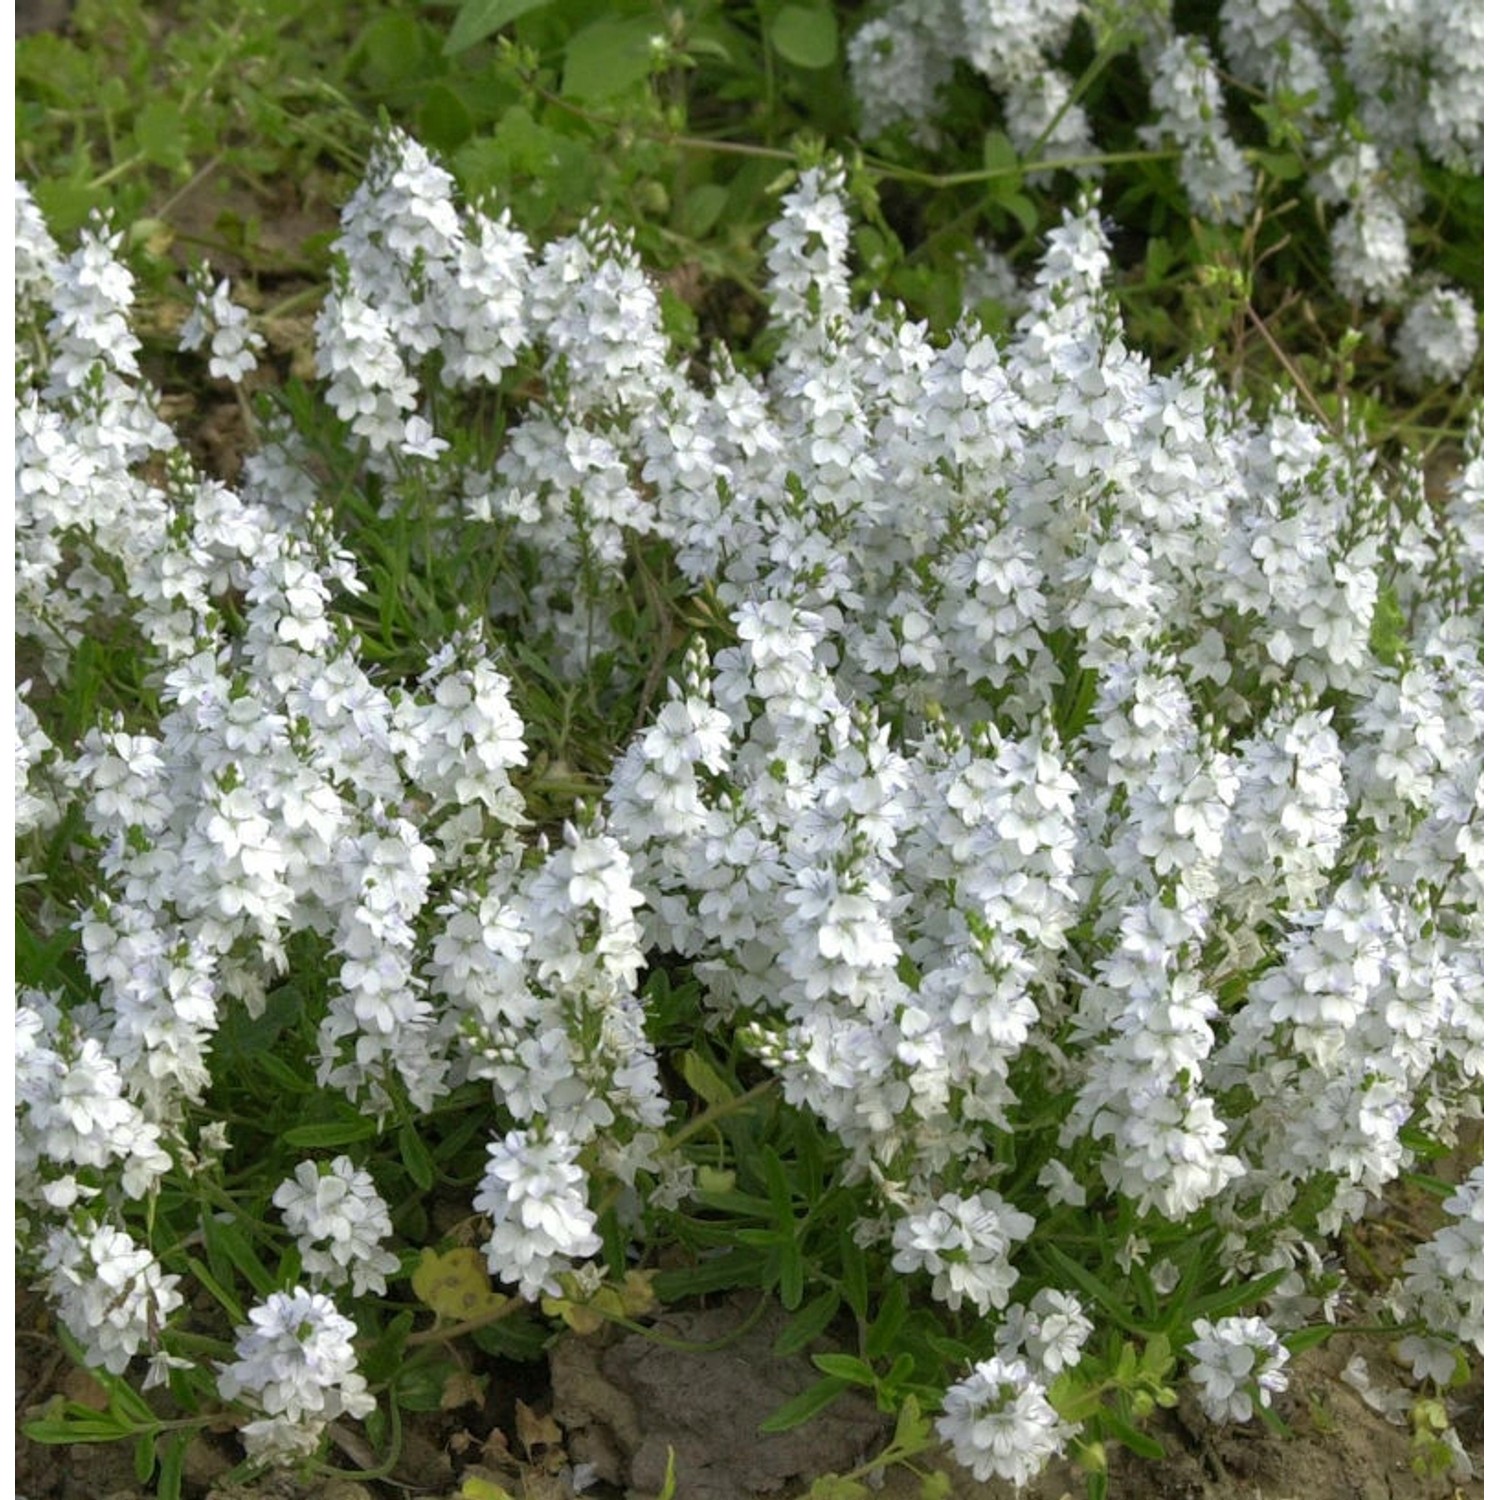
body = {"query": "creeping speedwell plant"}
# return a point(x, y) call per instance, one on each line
point(1029, 906)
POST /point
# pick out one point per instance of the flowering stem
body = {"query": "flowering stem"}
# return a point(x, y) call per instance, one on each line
point(716, 1112)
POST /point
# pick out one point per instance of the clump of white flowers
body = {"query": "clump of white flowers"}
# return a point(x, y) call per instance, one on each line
point(1080, 761)
point(340, 1220)
point(1239, 1366)
point(1442, 1284)
point(1401, 82)
point(295, 1364)
point(221, 324)
point(1438, 339)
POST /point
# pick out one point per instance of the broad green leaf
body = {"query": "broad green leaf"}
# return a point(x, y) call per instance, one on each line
point(608, 57)
point(801, 1408)
point(912, 1428)
point(160, 134)
point(478, 19)
point(700, 212)
point(999, 153)
point(806, 36)
point(838, 1487)
point(444, 118)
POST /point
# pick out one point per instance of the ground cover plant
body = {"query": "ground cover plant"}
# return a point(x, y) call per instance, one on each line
point(672, 769)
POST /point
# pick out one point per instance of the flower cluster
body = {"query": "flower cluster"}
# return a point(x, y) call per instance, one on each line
point(295, 1363)
point(1239, 1366)
point(1370, 91)
point(339, 1219)
point(1443, 1285)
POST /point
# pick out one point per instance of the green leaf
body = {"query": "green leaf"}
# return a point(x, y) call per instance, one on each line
point(806, 36)
point(91, 1429)
point(936, 1485)
point(855, 1278)
point(846, 1367)
point(478, 19)
point(808, 1324)
point(838, 1487)
point(444, 118)
point(331, 1133)
point(999, 153)
point(229, 1241)
point(1387, 628)
point(394, 49)
point(669, 1479)
point(608, 58)
point(144, 1457)
point(888, 1321)
point(792, 1278)
point(801, 1408)
point(160, 135)
point(415, 1156)
point(703, 1080)
point(701, 209)
point(780, 1190)
point(912, 1428)
point(1229, 1301)
point(210, 1283)
point(719, 1273)
point(1137, 1442)
point(173, 1461)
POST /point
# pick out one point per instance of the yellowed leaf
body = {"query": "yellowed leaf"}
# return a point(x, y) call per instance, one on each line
point(535, 1430)
point(455, 1284)
point(462, 1388)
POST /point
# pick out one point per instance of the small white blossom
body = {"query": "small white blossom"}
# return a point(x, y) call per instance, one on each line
point(1239, 1366)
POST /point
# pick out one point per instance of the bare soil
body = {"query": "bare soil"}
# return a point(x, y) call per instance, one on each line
point(621, 1403)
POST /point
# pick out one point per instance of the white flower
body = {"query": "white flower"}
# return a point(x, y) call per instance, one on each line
point(296, 1364)
point(109, 1291)
point(964, 1244)
point(1049, 1332)
point(219, 322)
point(1000, 1424)
point(339, 1219)
point(532, 1191)
point(1239, 1366)
point(1438, 339)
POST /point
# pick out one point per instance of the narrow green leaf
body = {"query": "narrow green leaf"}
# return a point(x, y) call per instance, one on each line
point(1225, 1303)
point(704, 1082)
point(800, 1408)
point(67, 1430)
point(814, 1317)
point(414, 1156)
point(173, 1460)
point(856, 1281)
point(1137, 1442)
point(887, 1322)
point(144, 1457)
point(478, 19)
point(780, 1190)
point(331, 1133)
point(847, 1367)
point(806, 36)
point(209, 1282)
point(229, 1241)
point(792, 1278)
